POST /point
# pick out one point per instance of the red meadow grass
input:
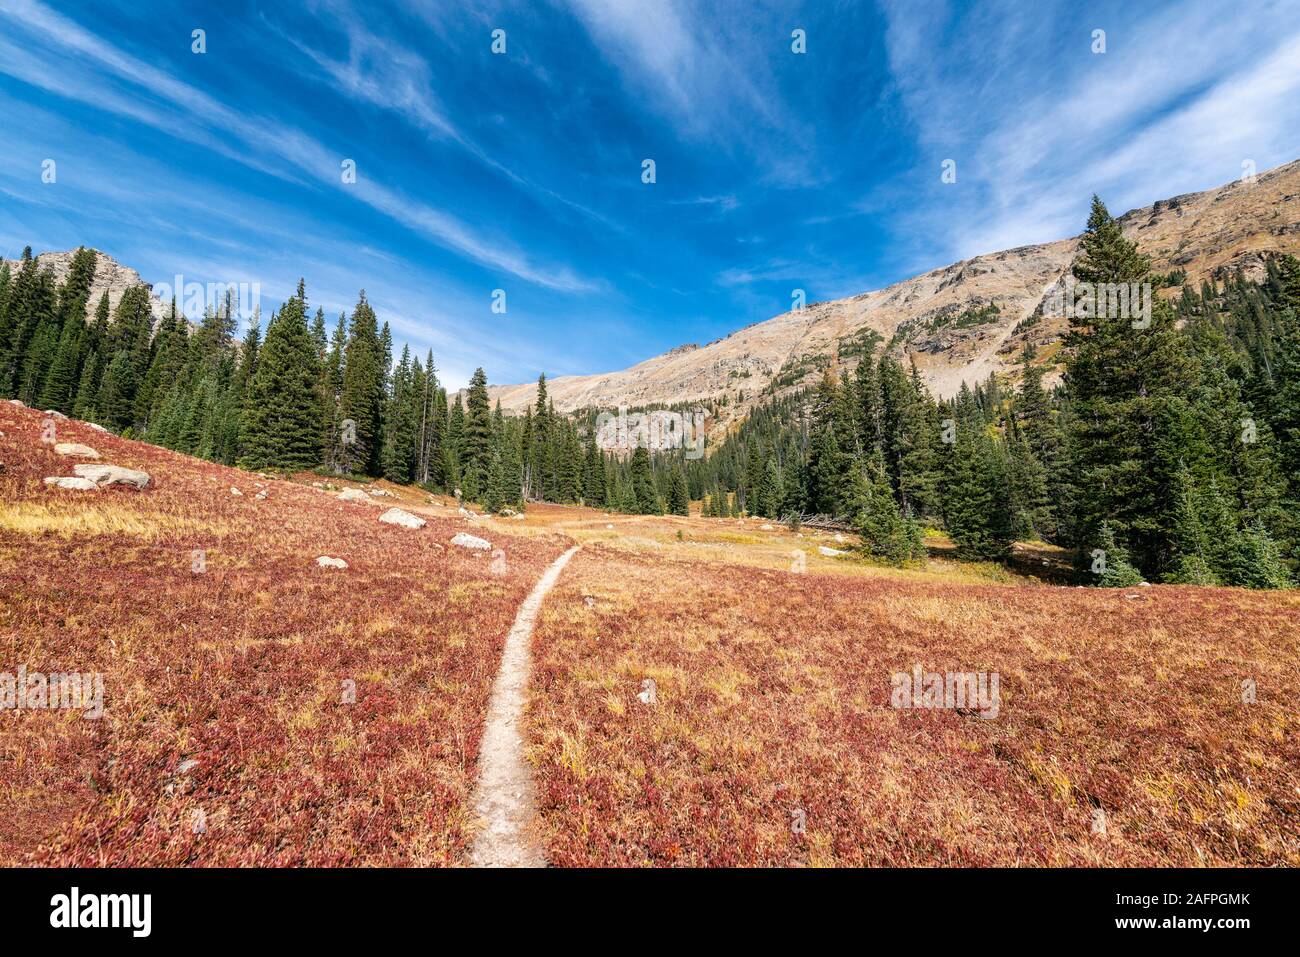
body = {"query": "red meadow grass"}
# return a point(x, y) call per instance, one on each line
point(240, 668)
point(1122, 736)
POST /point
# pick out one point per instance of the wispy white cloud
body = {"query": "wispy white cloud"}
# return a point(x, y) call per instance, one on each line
point(692, 64)
point(1179, 99)
point(288, 146)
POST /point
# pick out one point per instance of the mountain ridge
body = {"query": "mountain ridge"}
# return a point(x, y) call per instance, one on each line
point(958, 322)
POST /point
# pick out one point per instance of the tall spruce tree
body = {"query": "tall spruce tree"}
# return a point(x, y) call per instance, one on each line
point(282, 415)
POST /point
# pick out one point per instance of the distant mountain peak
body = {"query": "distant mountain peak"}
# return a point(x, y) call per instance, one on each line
point(959, 322)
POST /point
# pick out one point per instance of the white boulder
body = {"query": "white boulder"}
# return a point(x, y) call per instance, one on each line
point(75, 449)
point(326, 562)
point(72, 484)
point(397, 516)
point(112, 475)
point(829, 552)
point(471, 541)
point(353, 495)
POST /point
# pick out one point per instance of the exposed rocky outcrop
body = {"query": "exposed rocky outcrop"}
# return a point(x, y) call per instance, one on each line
point(110, 277)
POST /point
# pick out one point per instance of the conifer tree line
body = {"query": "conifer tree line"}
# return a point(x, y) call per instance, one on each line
point(298, 395)
point(1168, 453)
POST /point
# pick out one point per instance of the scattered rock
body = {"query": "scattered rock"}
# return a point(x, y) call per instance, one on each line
point(55, 414)
point(96, 427)
point(507, 513)
point(76, 449)
point(829, 552)
point(766, 528)
point(839, 539)
point(186, 766)
point(471, 541)
point(72, 484)
point(235, 491)
point(397, 516)
point(649, 693)
point(353, 495)
point(380, 493)
point(112, 475)
point(326, 562)
point(609, 526)
point(261, 494)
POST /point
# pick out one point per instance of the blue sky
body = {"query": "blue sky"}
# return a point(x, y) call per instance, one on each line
point(523, 171)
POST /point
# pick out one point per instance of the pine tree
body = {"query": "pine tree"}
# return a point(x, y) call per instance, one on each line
point(770, 487)
point(975, 506)
point(477, 447)
point(679, 500)
point(281, 426)
point(1111, 562)
point(494, 495)
point(643, 485)
point(1128, 379)
point(885, 533)
point(362, 394)
point(1191, 565)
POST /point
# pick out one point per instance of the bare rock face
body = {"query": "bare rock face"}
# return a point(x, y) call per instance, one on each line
point(397, 516)
point(110, 277)
point(72, 484)
point(76, 450)
point(103, 475)
point(959, 323)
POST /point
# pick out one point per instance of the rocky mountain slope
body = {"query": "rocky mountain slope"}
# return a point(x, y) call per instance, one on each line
point(110, 277)
point(959, 323)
